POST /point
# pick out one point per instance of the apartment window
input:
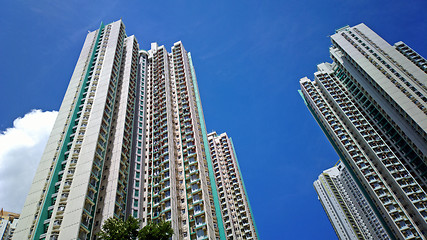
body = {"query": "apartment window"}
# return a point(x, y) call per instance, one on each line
point(135, 203)
point(197, 208)
point(200, 233)
point(138, 166)
point(136, 193)
point(136, 183)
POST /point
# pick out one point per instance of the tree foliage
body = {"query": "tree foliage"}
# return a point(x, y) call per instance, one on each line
point(117, 229)
point(156, 231)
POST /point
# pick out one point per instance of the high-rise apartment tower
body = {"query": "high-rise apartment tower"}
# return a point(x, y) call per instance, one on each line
point(129, 140)
point(371, 103)
point(236, 210)
point(8, 222)
point(348, 210)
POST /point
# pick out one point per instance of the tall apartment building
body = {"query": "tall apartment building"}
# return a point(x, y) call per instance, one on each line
point(348, 210)
point(236, 210)
point(8, 222)
point(176, 181)
point(129, 140)
point(371, 103)
point(82, 176)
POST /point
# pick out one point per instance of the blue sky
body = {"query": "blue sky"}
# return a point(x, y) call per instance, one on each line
point(249, 57)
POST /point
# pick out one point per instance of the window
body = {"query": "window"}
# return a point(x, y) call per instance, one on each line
point(194, 187)
point(200, 233)
point(196, 197)
point(197, 208)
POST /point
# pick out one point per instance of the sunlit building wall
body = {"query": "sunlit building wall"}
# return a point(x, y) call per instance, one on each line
point(371, 103)
point(82, 176)
point(8, 222)
point(236, 210)
point(348, 210)
point(412, 55)
point(177, 186)
point(130, 140)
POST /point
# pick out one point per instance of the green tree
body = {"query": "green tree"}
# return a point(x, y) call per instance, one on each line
point(117, 229)
point(156, 231)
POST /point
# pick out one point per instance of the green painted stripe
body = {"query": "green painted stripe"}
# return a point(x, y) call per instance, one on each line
point(39, 230)
point(207, 152)
point(303, 98)
point(244, 188)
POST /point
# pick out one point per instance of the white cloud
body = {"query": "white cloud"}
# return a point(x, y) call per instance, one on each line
point(21, 148)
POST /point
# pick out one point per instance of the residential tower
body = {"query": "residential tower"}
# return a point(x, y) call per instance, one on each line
point(371, 103)
point(129, 140)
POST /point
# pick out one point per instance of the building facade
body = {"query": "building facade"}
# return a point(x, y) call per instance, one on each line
point(347, 208)
point(82, 176)
point(8, 222)
point(129, 140)
point(176, 183)
point(236, 211)
point(371, 103)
